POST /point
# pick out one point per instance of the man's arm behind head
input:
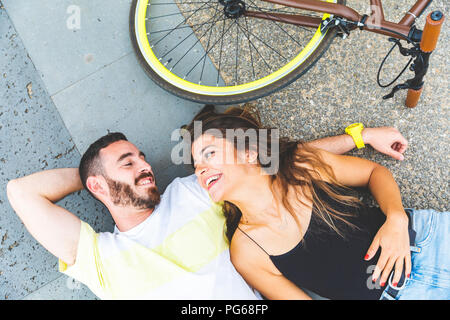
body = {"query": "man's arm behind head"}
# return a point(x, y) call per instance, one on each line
point(32, 198)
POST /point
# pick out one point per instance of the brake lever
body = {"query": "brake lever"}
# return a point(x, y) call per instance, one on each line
point(404, 51)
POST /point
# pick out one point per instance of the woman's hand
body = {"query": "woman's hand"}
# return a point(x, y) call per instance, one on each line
point(393, 238)
point(386, 140)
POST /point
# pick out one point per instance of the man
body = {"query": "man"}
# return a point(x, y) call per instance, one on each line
point(162, 248)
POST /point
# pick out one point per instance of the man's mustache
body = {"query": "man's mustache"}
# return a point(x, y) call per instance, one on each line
point(145, 175)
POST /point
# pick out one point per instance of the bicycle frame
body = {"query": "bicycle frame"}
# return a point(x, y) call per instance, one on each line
point(374, 22)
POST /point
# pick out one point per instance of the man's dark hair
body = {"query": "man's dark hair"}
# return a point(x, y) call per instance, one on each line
point(90, 163)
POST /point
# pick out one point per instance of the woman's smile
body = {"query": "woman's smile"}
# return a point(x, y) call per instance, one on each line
point(212, 180)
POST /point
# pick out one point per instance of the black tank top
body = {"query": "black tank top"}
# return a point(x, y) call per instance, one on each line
point(330, 265)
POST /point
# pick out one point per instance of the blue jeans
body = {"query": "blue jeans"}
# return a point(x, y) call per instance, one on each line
point(430, 257)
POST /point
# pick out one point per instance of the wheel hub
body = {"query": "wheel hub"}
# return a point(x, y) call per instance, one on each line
point(233, 8)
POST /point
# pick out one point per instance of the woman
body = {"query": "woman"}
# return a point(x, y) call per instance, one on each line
point(303, 227)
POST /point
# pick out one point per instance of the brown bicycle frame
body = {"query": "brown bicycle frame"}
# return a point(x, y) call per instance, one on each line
point(375, 22)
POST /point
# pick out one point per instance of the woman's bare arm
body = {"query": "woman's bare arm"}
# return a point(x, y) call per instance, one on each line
point(392, 237)
point(386, 140)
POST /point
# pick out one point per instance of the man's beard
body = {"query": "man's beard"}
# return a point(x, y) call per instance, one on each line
point(122, 194)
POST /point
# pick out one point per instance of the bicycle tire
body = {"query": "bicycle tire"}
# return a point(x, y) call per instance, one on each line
point(233, 98)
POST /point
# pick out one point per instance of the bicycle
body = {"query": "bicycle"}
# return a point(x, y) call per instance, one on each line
point(234, 51)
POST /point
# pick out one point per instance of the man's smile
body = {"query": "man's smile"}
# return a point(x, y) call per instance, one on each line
point(145, 181)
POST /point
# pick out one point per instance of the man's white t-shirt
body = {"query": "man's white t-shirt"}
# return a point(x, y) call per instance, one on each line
point(178, 252)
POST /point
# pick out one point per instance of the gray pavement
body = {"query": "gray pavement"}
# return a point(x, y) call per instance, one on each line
point(60, 89)
point(32, 137)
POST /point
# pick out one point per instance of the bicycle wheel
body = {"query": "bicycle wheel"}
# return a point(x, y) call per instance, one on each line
point(203, 51)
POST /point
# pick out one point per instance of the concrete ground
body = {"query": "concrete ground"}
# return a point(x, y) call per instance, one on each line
point(62, 88)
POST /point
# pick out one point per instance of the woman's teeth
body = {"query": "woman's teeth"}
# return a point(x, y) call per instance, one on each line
point(212, 179)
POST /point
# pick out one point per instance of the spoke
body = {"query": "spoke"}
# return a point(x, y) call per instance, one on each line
point(177, 13)
point(188, 36)
point(250, 48)
point(188, 26)
point(268, 15)
point(280, 11)
point(207, 46)
point(266, 44)
point(237, 53)
point(208, 50)
point(198, 40)
point(254, 47)
point(173, 3)
point(185, 20)
point(269, 9)
point(220, 55)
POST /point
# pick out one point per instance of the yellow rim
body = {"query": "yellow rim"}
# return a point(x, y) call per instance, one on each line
point(163, 72)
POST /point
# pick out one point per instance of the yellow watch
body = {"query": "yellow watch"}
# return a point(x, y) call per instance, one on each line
point(354, 130)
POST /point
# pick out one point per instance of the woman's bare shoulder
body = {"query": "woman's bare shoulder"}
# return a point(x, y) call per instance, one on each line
point(242, 240)
point(247, 255)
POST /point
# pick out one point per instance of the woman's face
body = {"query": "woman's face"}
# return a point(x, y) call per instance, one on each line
point(218, 165)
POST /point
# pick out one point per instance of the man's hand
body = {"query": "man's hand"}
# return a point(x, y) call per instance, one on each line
point(386, 140)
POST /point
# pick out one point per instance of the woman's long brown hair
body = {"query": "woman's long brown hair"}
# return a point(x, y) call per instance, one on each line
point(298, 167)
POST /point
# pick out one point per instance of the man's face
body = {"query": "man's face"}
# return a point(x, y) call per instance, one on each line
point(130, 178)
